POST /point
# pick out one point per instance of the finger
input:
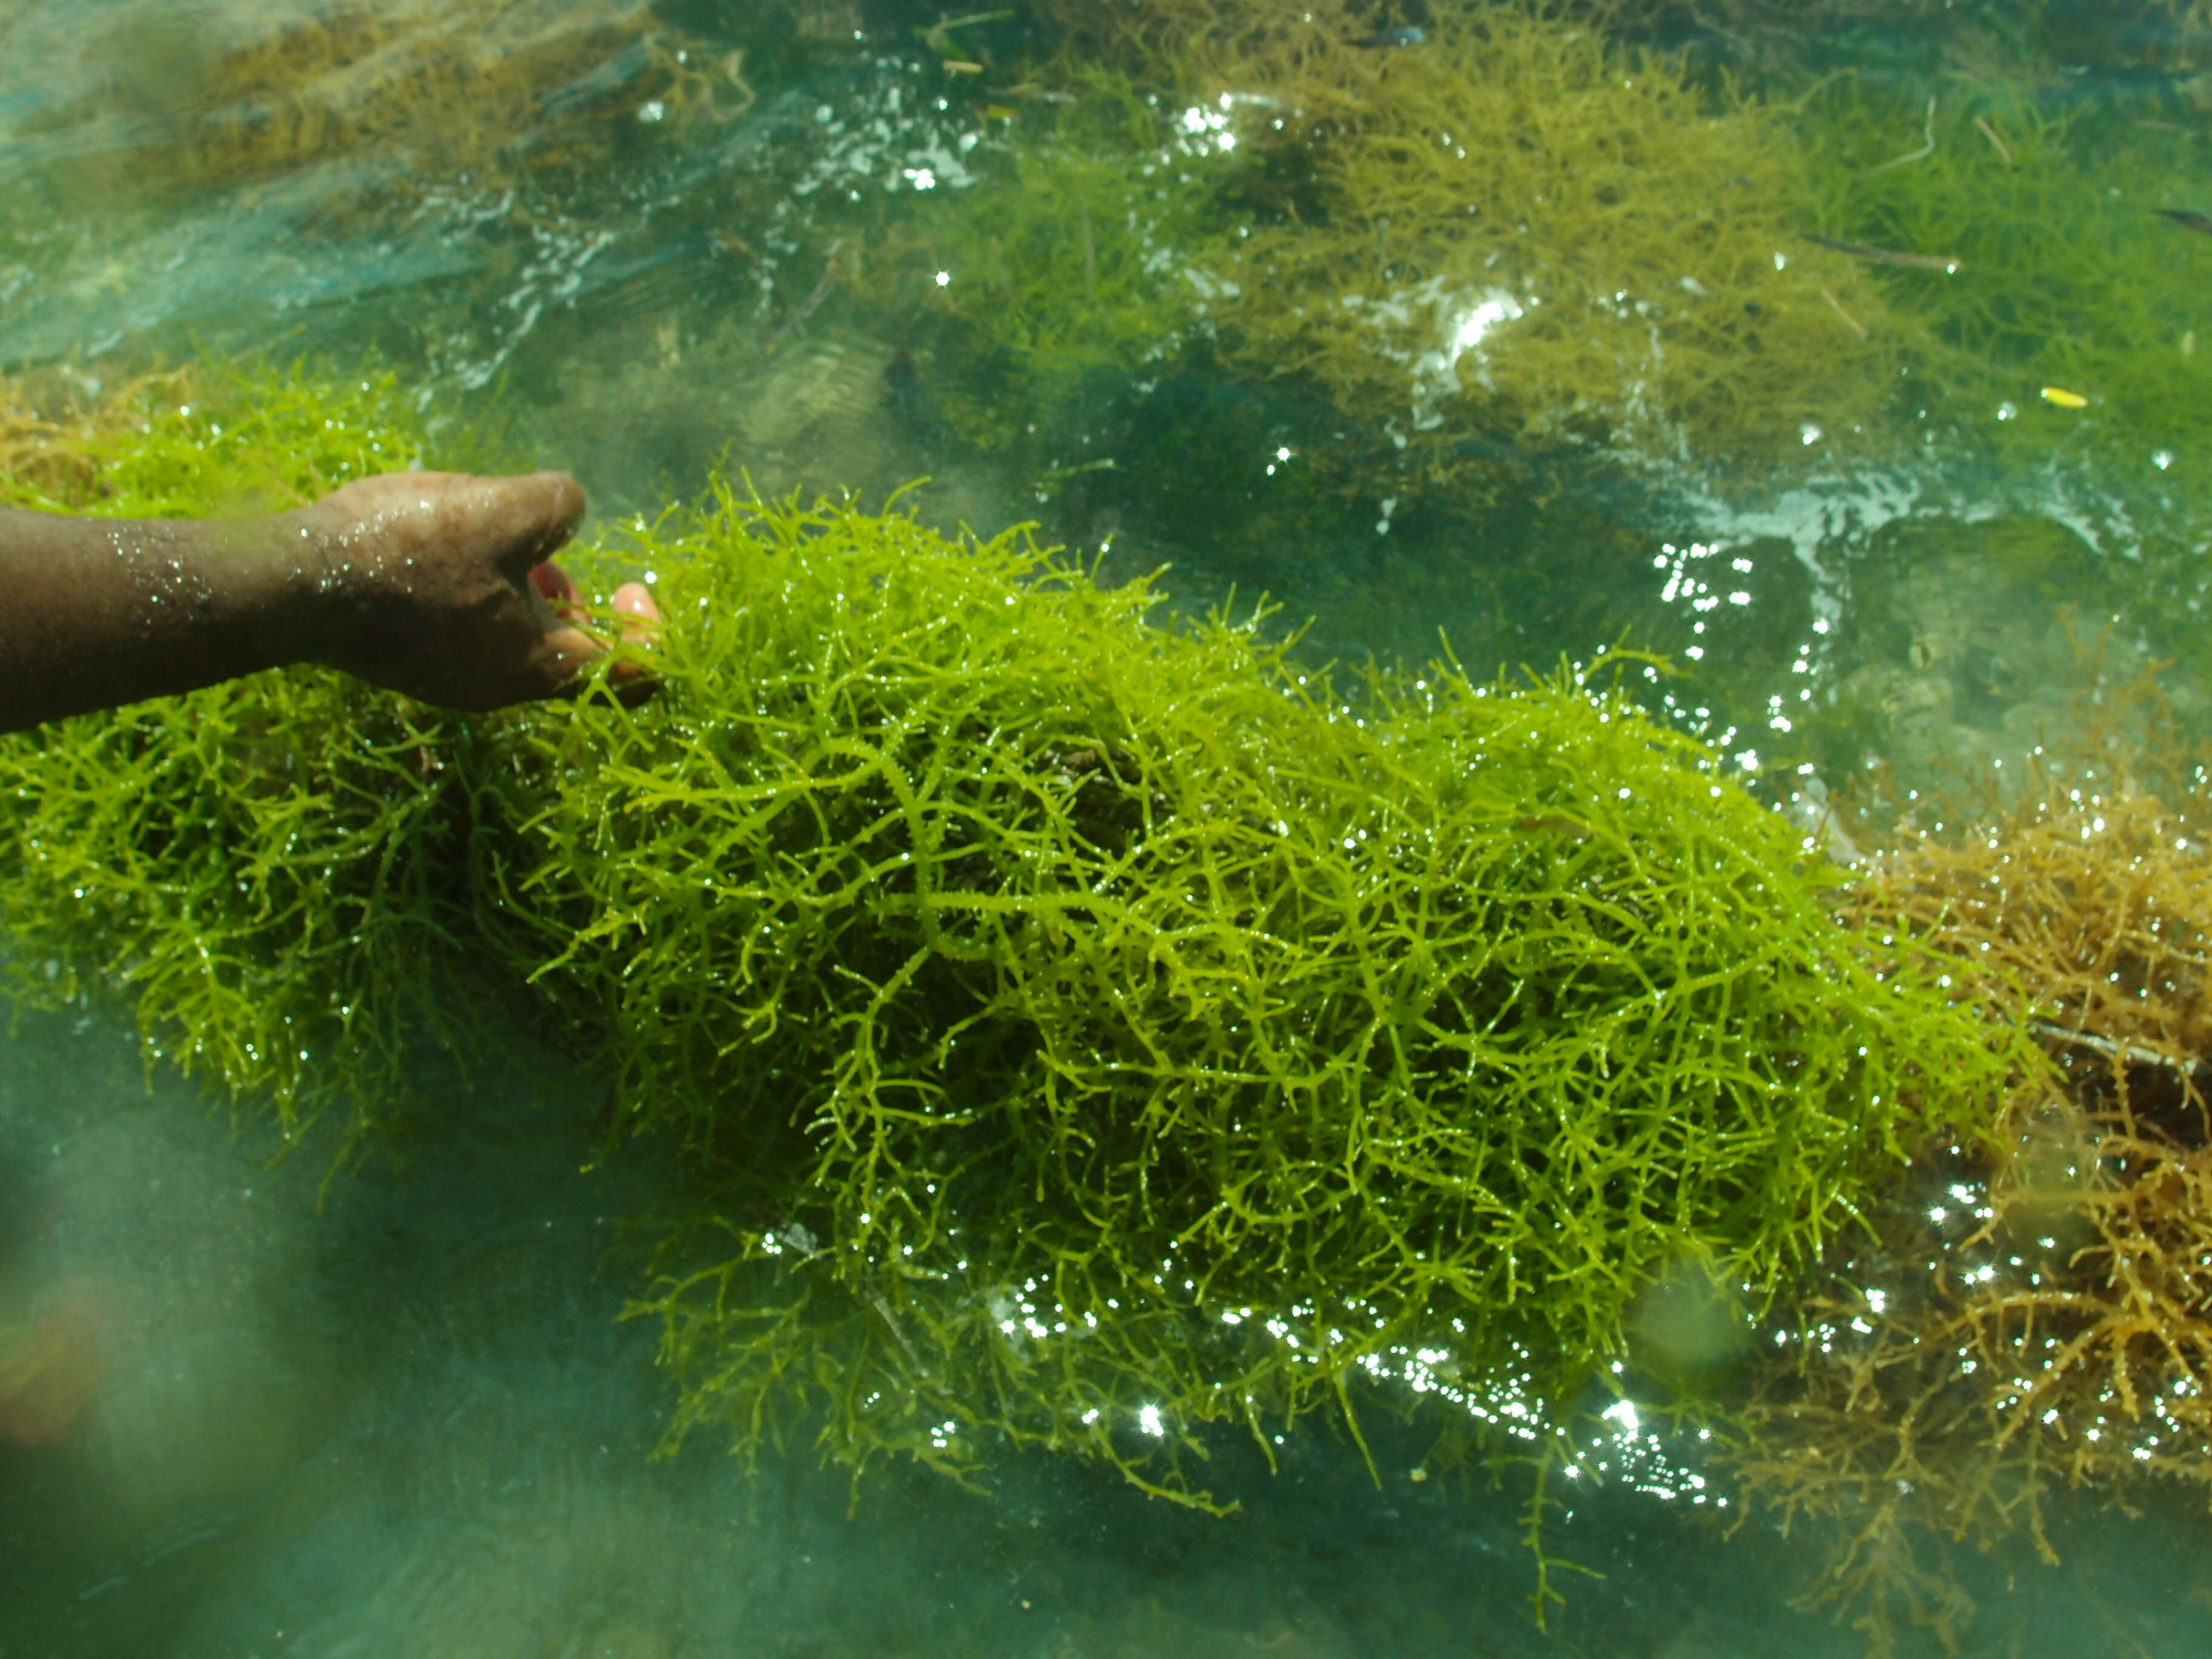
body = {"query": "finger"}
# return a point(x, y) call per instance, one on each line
point(633, 602)
point(554, 583)
point(637, 621)
point(558, 588)
point(568, 651)
point(538, 513)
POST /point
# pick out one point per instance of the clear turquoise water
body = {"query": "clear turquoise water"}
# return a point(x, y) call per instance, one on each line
point(400, 1416)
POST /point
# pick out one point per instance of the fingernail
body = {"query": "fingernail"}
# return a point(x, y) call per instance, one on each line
point(554, 582)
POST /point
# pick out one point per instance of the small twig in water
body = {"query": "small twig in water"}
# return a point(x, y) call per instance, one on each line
point(1925, 150)
point(1883, 256)
point(2187, 218)
point(821, 293)
point(730, 242)
point(891, 1320)
point(1090, 256)
point(1990, 133)
point(1857, 327)
point(938, 37)
point(1031, 90)
point(2134, 1055)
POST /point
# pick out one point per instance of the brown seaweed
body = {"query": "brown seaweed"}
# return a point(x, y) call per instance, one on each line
point(2031, 1312)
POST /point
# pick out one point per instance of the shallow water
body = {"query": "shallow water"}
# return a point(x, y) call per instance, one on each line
point(411, 1423)
point(399, 1414)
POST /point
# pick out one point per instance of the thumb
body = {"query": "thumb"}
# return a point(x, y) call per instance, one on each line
point(540, 513)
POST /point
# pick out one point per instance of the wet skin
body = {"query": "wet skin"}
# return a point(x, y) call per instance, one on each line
point(437, 584)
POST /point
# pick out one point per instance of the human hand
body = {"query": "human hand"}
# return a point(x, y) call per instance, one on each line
point(440, 586)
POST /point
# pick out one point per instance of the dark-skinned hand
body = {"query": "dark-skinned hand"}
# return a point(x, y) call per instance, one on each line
point(443, 587)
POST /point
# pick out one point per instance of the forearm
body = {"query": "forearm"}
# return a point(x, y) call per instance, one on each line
point(433, 585)
point(99, 612)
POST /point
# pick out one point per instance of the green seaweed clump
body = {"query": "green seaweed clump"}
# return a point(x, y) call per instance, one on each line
point(1084, 249)
point(1079, 1031)
point(2035, 260)
point(1092, 1030)
point(2053, 314)
point(1460, 255)
point(488, 90)
point(1514, 233)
